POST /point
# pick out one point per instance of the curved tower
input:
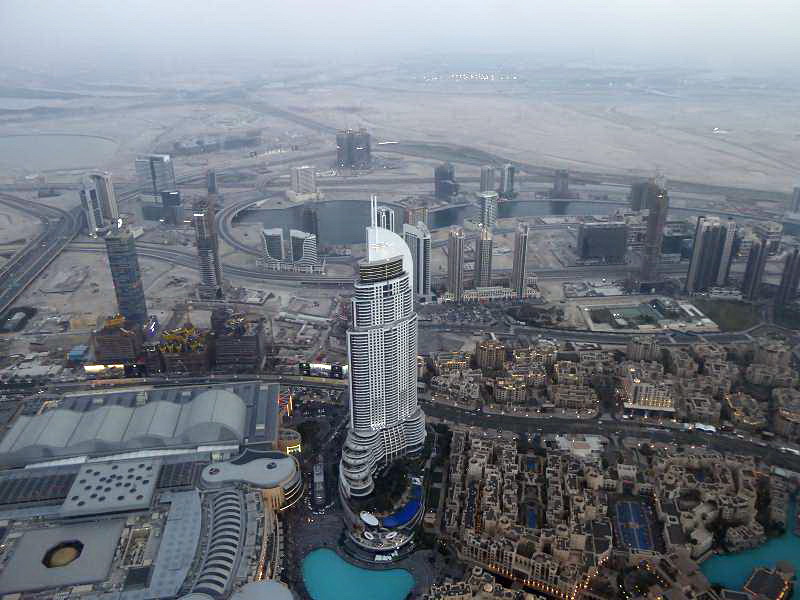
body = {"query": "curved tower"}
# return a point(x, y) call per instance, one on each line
point(385, 420)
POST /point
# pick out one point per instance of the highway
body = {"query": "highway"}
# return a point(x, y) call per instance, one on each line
point(611, 429)
point(189, 259)
point(60, 228)
point(594, 337)
point(492, 423)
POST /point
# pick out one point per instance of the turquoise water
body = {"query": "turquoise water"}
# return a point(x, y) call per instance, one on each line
point(732, 570)
point(328, 577)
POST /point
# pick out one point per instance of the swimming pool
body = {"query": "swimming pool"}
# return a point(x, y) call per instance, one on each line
point(732, 570)
point(328, 577)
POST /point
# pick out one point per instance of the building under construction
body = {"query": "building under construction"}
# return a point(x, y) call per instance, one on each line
point(118, 341)
point(184, 350)
point(239, 342)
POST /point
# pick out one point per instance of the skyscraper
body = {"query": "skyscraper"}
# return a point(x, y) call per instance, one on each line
point(602, 241)
point(455, 263)
point(211, 182)
point(304, 180)
point(711, 256)
point(171, 208)
point(155, 174)
point(754, 272)
point(790, 278)
point(483, 258)
point(353, 149)
point(560, 184)
point(507, 181)
point(794, 203)
point(444, 181)
point(386, 217)
point(418, 239)
point(273, 244)
point(90, 202)
point(205, 229)
point(99, 201)
point(487, 203)
point(643, 194)
point(415, 214)
point(519, 273)
point(385, 419)
point(303, 248)
point(728, 246)
point(487, 179)
point(124, 264)
point(654, 237)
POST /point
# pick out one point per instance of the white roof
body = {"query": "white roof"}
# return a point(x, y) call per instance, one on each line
point(213, 416)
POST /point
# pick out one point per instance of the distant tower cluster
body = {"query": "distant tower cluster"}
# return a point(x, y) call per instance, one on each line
point(487, 202)
point(487, 179)
point(507, 181)
point(353, 149)
point(519, 275)
point(99, 202)
point(124, 264)
point(455, 263)
point(754, 272)
point(386, 217)
point(483, 258)
point(418, 239)
point(711, 256)
point(444, 181)
point(205, 228)
point(790, 279)
point(654, 236)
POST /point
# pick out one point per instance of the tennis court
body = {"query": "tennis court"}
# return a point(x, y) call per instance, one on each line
point(633, 526)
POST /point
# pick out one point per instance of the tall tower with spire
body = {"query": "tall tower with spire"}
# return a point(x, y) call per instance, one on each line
point(385, 419)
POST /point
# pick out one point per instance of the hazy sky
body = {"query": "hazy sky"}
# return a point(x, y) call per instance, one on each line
point(726, 33)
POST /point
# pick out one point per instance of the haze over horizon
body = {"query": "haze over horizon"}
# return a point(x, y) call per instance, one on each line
point(744, 35)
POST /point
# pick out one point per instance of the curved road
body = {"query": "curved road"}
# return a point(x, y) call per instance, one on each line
point(60, 228)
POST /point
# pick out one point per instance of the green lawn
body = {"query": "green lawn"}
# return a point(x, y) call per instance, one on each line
point(730, 315)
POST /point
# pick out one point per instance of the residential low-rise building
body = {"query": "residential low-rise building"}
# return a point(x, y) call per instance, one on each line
point(745, 412)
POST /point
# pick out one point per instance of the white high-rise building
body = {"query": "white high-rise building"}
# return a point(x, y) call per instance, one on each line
point(303, 248)
point(386, 217)
point(488, 205)
point(418, 240)
point(385, 419)
point(99, 201)
point(155, 174)
point(304, 180)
